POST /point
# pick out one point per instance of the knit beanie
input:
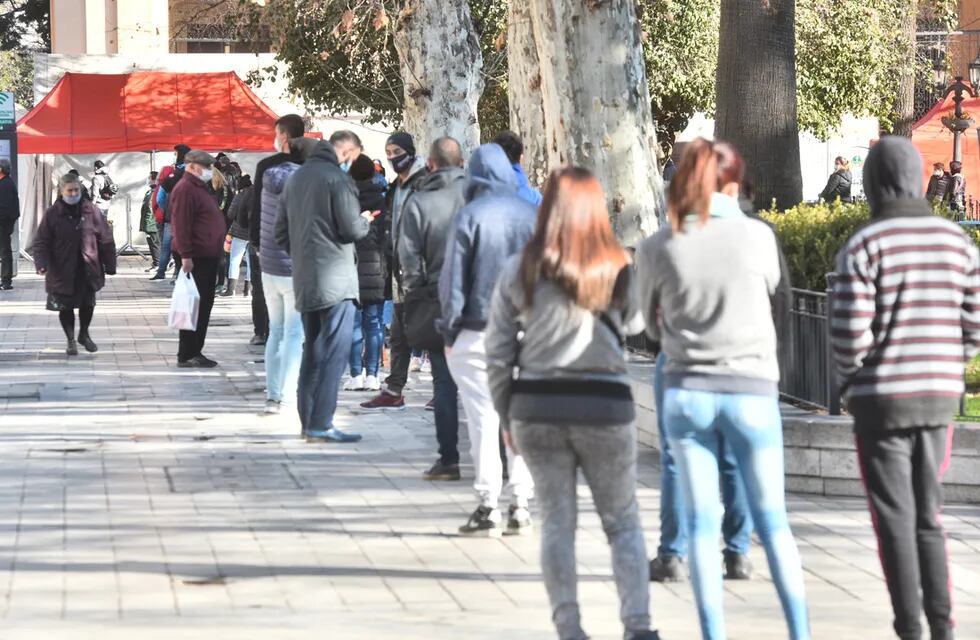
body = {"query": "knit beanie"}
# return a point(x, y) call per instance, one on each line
point(403, 140)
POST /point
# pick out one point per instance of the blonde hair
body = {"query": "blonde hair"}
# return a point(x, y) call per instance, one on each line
point(218, 180)
point(844, 163)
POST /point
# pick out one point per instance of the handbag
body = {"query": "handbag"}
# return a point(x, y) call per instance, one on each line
point(421, 311)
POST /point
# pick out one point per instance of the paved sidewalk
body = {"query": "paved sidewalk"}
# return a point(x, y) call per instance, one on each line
point(143, 501)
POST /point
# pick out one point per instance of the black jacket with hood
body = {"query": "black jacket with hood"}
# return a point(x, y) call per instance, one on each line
point(838, 185)
point(371, 271)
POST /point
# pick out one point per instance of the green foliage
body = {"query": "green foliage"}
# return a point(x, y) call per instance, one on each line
point(25, 25)
point(17, 75)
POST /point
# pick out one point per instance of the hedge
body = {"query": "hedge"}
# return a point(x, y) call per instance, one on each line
point(812, 234)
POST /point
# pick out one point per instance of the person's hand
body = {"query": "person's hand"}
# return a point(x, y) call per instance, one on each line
point(370, 215)
point(509, 442)
point(42, 271)
point(187, 265)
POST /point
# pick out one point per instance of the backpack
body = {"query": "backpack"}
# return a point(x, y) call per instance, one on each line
point(109, 189)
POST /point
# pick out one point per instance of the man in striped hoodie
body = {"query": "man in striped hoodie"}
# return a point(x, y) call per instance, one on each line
point(906, 318)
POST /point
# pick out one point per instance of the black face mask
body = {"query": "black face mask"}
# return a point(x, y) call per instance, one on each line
point(402, 163)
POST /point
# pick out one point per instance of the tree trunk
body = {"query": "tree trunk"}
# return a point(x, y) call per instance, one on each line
point(524, 87)
point(756, 86)
point(597, 104)
point(441, 65)
point(905, 97)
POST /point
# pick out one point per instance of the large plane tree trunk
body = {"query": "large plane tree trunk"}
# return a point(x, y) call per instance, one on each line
point(905, 97)
point(597, 104)
point(756, 86)
point(524, 87)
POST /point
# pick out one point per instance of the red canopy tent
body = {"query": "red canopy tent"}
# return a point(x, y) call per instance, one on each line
point(935, 142)
point(147, 111)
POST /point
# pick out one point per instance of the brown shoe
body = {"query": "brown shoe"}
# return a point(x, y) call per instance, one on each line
point(384, 401)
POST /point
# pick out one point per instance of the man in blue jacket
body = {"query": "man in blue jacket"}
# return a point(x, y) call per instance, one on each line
point(513, 146)
point(494, 225)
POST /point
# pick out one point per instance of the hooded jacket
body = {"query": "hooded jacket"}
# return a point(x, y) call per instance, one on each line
point(838, 185)
point(67, 231)
point(273, 259)
point(239, 211)
point(494, 224)
point(318, 224)
point(425, 225)
point(394, 194)
point(370, 249)
point(906, 302)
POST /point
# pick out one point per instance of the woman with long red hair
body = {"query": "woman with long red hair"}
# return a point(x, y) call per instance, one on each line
point(558, 318)
point(706, 285)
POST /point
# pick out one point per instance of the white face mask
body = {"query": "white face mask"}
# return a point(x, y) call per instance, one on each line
point(206, 175)
point(937, 173)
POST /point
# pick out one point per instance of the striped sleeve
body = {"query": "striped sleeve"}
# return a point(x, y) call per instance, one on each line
point(853, 309)
point(971, 304)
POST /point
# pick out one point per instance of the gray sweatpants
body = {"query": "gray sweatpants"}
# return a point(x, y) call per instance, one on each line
point(607, 457)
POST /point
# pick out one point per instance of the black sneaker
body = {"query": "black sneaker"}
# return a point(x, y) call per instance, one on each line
point(441, 471)
point(737, 566)
point(157, 276)
point(519, 521)
point(86, 341)
point(667, 569)
point(197, 362)
point(484, 523)
point(72, 348)
point(257, 340)
point(6, 286)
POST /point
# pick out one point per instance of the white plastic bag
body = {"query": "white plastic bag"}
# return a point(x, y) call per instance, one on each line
point(184, 304)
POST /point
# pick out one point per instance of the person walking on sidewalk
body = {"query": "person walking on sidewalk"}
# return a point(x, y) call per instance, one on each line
point(318, 224)
point(9, 213)
point(74, 251)
point(425, 226)
point(199, 234)
point(369, 333)
point(906, 319)
point(706, 284)
point(571, 407)
point(494, 225)
point(410, 168)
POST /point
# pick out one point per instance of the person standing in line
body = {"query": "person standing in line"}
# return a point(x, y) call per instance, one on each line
point(425, 227)
point(74, 251)
point(85, 192)
point(410, 168)
point(906, 320)
point(9, 213)
point(148, 222)
point(706, 284)
point(166, 181)
point(239, 236)
point(955, 196)
point(494, 225)
point(365, 353)
point(199, 234)
point(513, 146)
point(103, 188)
point(318, 224)
point(839, 182)
point(284, 348)
point(938, 183)
point(571, 407)
point(348, 146)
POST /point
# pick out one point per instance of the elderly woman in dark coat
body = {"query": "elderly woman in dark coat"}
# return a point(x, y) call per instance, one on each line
point(74, 251)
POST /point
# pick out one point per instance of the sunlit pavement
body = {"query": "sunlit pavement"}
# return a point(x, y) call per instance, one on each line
point(140, 501)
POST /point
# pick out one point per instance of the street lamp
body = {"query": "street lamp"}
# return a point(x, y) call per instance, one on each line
point(958, 123)
point(974, 68)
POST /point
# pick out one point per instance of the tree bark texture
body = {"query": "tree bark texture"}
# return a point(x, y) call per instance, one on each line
point(441, 65)
point(756, 104)
point(597, 104)
point(905, 97)
point(524, 89)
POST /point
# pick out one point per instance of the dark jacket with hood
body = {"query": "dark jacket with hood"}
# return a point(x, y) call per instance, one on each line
point(67, 231)
point(319, 222)
point(494, 224)
point(938, 186)
point(838, 185)
point(906, 312)
point(371, 270)
point(391, 257)
point(9, 201)
point(239, 212)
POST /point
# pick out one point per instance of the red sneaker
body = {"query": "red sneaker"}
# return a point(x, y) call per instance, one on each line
point(384, 401)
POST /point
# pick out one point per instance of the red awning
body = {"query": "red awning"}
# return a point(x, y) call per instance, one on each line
point(147, 111)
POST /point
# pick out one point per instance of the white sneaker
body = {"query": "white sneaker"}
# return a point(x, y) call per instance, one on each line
point(426, 366)
point(355, 384)
point(416, 364)
point(372, 383)
point(272, 408)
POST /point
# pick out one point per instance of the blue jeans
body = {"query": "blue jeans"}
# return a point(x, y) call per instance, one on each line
point(239, 251)
point(369, 336)
point(446, 408)
point(752, 426)
point(389, 313)
point(165, 239)
point(736, 526)
point(284, 348)
point(326, 348)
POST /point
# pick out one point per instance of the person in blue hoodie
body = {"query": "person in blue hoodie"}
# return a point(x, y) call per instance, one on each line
point(513, 146)
point(493, 225)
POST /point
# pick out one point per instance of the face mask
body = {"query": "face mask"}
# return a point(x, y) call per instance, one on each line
point(937, 173)
point(345, 166)
point(72, 200)
point(402, 163)
point(207, 174)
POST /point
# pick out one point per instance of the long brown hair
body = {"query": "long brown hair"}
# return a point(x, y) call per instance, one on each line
point(705, 168)
point(573, 245)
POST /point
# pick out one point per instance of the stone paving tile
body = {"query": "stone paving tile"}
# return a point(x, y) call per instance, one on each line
point(143, 501)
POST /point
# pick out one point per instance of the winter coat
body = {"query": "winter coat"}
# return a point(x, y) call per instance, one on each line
point(255, 222)
point(66, 231)
point(243, 200)
point(524, 188)
point(319, 222)
point(272, 257)
point(956, 192)
point(938, 186)
point(391, 260)
point(494, 224)
point(9, 201)
point(198, 224)
point(838, 185)
point(148, 223)
point(99, 181)
point(371, 270)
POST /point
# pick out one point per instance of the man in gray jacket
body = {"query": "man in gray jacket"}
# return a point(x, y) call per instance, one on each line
point(424, 228)
point(494, 225)
point(318, 223)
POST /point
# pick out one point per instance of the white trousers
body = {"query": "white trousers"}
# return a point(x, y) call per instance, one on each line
point(468, 364)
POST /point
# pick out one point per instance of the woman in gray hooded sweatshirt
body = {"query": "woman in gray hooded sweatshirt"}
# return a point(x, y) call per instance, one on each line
point(558, 317)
